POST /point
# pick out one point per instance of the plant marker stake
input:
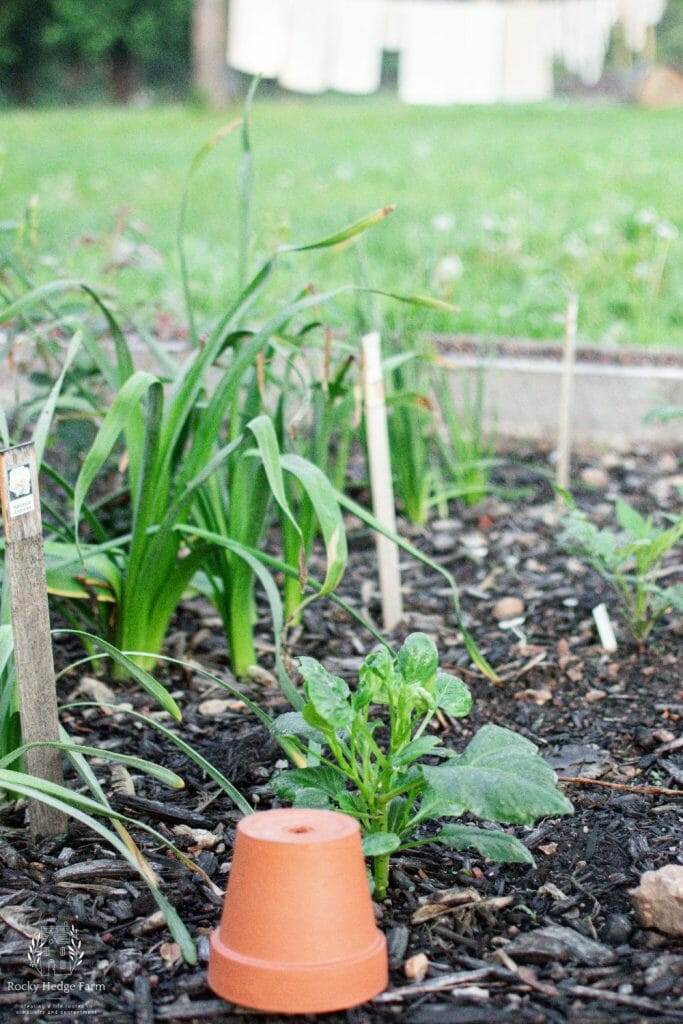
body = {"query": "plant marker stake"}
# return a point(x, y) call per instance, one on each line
point(567, 393)
point(380, 479)
point(25, 567)
point(605, 629)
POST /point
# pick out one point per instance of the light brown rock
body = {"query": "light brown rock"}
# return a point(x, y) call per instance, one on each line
point(415, 968)
point(508, 608)
point(658, 900)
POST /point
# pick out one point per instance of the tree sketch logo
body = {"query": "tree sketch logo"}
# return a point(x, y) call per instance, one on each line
point(56, 952)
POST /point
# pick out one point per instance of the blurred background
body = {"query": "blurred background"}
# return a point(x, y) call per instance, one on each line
point(531, 146)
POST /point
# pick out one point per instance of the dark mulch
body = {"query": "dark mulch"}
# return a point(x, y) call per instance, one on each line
point(613, 719)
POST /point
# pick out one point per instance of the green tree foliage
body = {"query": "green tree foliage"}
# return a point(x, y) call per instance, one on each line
point(71, 46)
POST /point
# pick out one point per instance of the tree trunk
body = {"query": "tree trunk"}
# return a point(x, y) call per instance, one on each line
point(123, 76)
point(209, 42)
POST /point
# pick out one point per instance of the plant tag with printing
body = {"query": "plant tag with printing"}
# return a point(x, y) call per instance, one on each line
point(20, 489)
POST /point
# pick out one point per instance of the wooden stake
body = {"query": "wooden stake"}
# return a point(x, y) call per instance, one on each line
point(567, 394)
point(380, 479)
point(25, 568)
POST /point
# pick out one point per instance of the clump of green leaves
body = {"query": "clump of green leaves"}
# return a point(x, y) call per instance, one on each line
point(365, 753)
point(630, 561)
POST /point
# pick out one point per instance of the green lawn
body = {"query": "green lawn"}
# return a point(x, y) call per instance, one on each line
point(507, 205)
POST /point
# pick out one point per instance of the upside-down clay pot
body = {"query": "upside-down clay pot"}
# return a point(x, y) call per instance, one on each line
point(298, 933)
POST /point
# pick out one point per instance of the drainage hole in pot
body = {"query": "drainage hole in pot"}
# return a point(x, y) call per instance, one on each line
point(300, 829)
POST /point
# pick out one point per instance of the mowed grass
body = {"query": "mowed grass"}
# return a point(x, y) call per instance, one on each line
point(499, 209)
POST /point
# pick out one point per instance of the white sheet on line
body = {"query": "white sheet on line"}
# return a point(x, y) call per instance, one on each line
point(450, 52)
point(527, 54)
point(580, 33)
point(257, 36)
point(636, 17)
point(357, 29)
point(306, 64)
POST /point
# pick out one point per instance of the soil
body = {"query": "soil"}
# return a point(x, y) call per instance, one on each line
point(603, 718)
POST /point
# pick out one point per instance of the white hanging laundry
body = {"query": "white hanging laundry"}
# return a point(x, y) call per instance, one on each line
point(257, 36)
point(484, 39)
point(392, 25)
point(527, 55)
point(580, 33)
point(636, 17)
point(431, 50)
point(357, 29)
point(451, 52)
point(307, 51)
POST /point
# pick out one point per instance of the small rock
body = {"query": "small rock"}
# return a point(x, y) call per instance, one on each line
point(553, 891)
point(593, 696)
point(661, 976)
point(560, 944)
point(508, 608)
point(201, 837)
point(658, 900)
point(593, 476)
point(617, 929)
point(645, 738)
point(415, 968)
point(216, 706)
point(540, 696)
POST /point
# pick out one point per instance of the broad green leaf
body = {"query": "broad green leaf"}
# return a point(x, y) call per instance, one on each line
point(292, 723)
point(328, 694)
point(416, 749)
point(451, 695)
point(499, 777)
point(418, 659)
point(377, 844)
point(324, 778)
point(632, 522)
point(148, 682)
point(493, 845)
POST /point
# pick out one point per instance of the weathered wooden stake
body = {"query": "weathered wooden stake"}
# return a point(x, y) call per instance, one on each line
point(380, 478)
point(25, 568)
point(564, 444)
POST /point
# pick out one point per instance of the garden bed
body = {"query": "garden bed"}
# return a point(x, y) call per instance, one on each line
point(616, 390)
point(610, 718)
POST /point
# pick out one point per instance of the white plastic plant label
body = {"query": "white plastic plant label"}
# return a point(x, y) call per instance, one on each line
point(20, 489)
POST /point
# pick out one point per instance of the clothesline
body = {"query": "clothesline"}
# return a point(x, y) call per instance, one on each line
point(449, 51)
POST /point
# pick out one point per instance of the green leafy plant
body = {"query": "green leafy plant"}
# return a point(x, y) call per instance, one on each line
point(629, 560)
point(366, 751)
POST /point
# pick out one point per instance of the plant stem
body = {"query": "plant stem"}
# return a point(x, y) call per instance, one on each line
point(381, 875)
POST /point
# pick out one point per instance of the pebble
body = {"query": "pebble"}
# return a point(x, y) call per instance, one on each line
point(415, 968)
point(508, 608)
point(559, 944)
point(617, 929)
point(595, 477)
point(658, 899)
point(593, 696)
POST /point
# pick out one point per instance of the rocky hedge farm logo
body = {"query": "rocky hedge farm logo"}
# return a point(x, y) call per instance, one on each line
point(56, 952)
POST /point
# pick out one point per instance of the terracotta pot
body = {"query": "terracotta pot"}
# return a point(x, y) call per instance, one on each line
point(298, 933)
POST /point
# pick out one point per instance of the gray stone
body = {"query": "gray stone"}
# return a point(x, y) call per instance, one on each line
point(558, 943)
